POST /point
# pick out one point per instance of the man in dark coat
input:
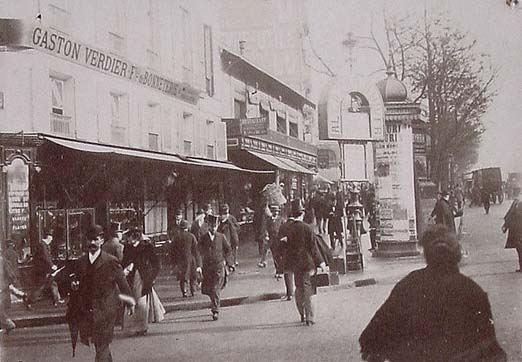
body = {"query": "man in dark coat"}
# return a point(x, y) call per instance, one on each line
point(302, 257)
point(112, 244)
point(43, 267)
point(229, 226)
point(485, 198)
point(199, 226)
point(443, 212)
point(184, 254)
point(96, 302)
point(513, 224)
point(215, 251)
point(435, 313)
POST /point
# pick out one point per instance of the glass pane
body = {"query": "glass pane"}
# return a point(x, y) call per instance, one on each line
point(79, 221)
point(54, 221)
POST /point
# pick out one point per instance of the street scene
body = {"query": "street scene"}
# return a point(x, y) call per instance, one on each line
point(281, 180)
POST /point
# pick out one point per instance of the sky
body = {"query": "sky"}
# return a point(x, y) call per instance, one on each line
point(497, 28)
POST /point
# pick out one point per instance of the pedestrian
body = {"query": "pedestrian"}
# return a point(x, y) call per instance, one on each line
point(184, 255)
point(229, 226)
point(112, 244)
point(215, 252)
point(7, 278)
point(178, 217)
point(302, 257)
point(459, 196)
point(43, 269)
point(141, 267)
point(485, 198)
point(278, 230)
point(443, 212)
point(199, 227)
point(263, 239)
point(434, 313)
point(95, 299)
point(513, 224)
point(335, 220)
point(374, 225)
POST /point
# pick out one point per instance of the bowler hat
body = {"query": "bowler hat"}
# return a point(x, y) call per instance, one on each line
point(296, 207)
point(200, 212)
point(94, 231)
point(183, 224)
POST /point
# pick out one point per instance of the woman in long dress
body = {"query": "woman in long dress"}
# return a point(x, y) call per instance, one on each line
point(141, 266)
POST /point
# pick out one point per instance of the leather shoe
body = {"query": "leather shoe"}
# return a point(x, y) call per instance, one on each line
point(302, 318)
point(141, 333)
point(310, 323)
point(215, 316)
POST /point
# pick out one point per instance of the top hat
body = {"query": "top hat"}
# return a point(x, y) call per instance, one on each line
point(183, 224)
point(94, 231)
point(223, 208)
point(178, 212)
point(296, 207)
point(212, 219)
point(200, 211)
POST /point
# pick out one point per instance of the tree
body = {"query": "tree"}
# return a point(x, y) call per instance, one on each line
point(442, 64)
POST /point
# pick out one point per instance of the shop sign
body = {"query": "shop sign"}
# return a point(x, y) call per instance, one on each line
point(255, 126)
point(65, 47)
point(18, 197)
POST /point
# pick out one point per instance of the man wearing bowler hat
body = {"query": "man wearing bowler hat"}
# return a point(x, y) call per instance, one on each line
point(215, 252)
point(229, 226)
point(185, 256)
point(443, 211)
point(94, 303)
point(302, 256)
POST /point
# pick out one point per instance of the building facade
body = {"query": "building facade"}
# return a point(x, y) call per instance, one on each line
point(106, 117)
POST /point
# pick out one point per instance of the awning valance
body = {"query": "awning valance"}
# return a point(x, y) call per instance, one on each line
point(85, 146)
point(281, 163)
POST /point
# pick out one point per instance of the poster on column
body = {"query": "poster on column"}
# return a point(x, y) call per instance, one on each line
point(18, 197)
point(355, 162)
point(394, 175)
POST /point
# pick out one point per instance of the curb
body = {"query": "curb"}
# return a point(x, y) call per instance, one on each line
point(59, 318)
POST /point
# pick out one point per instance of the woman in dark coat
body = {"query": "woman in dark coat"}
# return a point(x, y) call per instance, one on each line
point(513, 224)
point(435, 313)
point(141, 266)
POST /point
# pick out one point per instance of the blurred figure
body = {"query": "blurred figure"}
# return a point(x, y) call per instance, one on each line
point(6, 280)
point(43, 268)
point(112, 244)
point(215, 252)
point(199, 227)
point(229, 227)
point(459, 196)
point(513, 224)
point(434, 313)
point(443, 212)
point(184, 255)
point(485, 198)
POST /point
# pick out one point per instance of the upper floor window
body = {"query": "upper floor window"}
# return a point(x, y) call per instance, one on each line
point(281, 125)
point(186, 45)
point(209, 60)
point(293, 129)
point(210, 152)
point(57, 95)
point(239, 109)
point(59, 15)
point(119, 116)
point(62, 105)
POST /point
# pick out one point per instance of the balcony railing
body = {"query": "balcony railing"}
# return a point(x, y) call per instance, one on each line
point(62, 125)
point(119, 135)
point(291, 142)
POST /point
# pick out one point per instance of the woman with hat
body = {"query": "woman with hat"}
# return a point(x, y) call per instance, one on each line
point(434, 313)
point(141, 267)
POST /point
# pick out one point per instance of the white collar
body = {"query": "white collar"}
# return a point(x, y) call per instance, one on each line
point(93, 257)
point(212, 236)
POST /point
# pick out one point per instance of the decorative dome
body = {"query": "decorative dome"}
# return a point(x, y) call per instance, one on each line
point(392, 89)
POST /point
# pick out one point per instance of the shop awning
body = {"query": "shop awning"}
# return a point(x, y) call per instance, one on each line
point(150, 155)
point(281, 163)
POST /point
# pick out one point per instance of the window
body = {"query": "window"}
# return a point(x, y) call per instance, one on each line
point(293, 129)
point(57, 93)
point(154, 36)
point(117, 28)
point(239, 109)
point(264, 113)
point(281, 125)
point(186, 45)
point(210, 152)
point(118, 118)
point(152, 112)
point(187, 148)
point(155, 217)
point(59, 15)
point(154, 141)
point(326, 158)
point(209, 60)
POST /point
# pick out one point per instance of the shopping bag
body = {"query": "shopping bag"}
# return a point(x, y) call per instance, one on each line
point(156, 309)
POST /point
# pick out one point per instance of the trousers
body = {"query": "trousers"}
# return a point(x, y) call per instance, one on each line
point(103, 353)
point(303, 294)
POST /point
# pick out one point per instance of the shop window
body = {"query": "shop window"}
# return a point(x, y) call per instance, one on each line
point(281, 125)
point(187, 148)
point(239, 109)
point(210, 152)
point(155, 217)
point(293, 129)
point(209, 60)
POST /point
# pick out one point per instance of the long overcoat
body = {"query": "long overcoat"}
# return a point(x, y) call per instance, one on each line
point(42, 262)
point(114, 248)
point(185, 254)
point(145, 260)
point(443, 213)
point(230, 228)
point(433, 314)
point(96, 304)
point(214, 254)
point(513, 222)
point(300, 249)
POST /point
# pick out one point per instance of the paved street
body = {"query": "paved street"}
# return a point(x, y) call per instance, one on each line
point(270, 330)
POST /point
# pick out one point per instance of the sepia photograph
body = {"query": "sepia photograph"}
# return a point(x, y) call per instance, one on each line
point(260, 180)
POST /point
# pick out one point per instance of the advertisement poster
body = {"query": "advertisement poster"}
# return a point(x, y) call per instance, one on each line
point(18, 197)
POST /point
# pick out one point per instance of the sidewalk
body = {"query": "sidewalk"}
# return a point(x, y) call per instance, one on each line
point(248, 284)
